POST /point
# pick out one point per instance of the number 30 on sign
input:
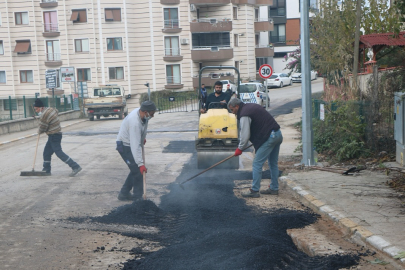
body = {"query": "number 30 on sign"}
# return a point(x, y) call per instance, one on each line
point(265, 71)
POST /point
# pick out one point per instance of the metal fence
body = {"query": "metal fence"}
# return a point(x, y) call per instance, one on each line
point(178, 104)
point(22, 107)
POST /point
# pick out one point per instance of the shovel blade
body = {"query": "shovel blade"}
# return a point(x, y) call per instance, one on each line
point(34, 173)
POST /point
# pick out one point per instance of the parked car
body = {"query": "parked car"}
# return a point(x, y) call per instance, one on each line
point(279, 80)
point(225, 84)
point(253, 93)
point(296, 77)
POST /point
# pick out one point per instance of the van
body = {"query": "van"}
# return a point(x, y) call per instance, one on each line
point(253, 93)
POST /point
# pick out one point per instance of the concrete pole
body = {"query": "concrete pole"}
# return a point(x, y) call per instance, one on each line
point(307, 137)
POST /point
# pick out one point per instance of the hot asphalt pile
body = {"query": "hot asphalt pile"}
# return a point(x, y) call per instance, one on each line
point(206, 226)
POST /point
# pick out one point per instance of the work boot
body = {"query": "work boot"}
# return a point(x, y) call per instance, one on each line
point(251, 194)
point(269, 191)
point(125, 196)
point(75, 171)
point(46, 170)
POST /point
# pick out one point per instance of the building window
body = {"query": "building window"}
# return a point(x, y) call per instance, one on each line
point(114, 44)
point(235, 40)
point(279, 54)
point(261, 61)
point(278, 34)
point(78, 16)
point(257, 38)
point(1, 47)
point(2, 77)
point(22, 46)
point(6, 104)
point(50, 21)
point(219, 39)
point(116, 73)
point(83, 74)
point(82, 45)
point(173, 74)
point(172, 46)
point(171, 18)
point(277, 9)
point(52, 50)
point(235, 13)
point(21, 18)
point(112, 14)
point(26, 76)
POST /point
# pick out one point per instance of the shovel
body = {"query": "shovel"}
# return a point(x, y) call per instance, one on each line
point(216, 164)
point(144, 175)
point(33, 172)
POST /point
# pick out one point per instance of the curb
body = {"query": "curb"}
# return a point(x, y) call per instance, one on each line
point(35, 134)
point(349, 226)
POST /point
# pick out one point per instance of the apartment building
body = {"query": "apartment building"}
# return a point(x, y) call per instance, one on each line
point(129, 43)
point(286, 34)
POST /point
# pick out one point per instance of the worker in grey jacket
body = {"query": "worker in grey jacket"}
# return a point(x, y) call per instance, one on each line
point(130, 141)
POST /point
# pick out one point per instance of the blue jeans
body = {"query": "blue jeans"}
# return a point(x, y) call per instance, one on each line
point(268, 151)
point(53, 145)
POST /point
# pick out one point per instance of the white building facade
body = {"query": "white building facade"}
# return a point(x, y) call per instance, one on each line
point(130, 43)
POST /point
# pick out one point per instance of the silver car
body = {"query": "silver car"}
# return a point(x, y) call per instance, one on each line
point(253, 93)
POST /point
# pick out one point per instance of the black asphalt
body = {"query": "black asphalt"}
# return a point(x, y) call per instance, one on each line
point(206, 226)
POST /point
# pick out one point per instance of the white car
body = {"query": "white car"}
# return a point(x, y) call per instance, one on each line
point(225, 85)
point(253, 93)
point(296, 77)
point(279, 80)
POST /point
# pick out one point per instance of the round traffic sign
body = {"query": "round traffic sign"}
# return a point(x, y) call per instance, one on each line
point(265, 71)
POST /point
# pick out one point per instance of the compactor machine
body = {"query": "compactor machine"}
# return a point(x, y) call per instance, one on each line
point(217, 133)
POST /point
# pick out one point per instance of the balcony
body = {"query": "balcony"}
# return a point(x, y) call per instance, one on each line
point(50, 30)
point(214, 53)
point(172, 55)
point(210, 25)
point(210, 78)
point(171, 26)
point(48, 3)
point(277, 39)
point(264, 2)
point(210, 2)
point(173, 82)
point(264, 25)
point(264, 51)
point(170, 2)
point(53, 60)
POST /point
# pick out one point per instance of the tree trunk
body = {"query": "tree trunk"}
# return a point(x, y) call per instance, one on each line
point(356, 48)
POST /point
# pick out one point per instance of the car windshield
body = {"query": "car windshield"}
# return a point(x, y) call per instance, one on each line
point(226, 82)
point(247, 88)
point(273, 76)
point(107, 92)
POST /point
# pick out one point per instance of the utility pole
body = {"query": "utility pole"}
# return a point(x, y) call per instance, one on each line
point(307, 137)
point(356, 47)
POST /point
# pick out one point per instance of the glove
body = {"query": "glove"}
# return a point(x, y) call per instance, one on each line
point(144, 142)
point(143, 169)
point(120, 147)
point(238, 152)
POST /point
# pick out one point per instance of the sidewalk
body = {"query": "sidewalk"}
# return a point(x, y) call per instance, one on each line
point(362, 204)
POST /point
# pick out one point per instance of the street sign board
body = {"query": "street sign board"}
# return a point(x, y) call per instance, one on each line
point(265, 71)
point(67, 74)
point(50, 78)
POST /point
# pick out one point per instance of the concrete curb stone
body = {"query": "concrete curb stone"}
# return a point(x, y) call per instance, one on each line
point(349, 226)
point(35, 134)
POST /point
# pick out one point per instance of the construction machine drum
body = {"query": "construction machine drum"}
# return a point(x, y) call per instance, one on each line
point(217, 139)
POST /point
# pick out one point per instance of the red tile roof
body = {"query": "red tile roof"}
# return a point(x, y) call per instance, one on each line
point(387, 39)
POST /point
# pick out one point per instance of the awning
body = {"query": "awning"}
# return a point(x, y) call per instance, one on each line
point(22, 46)
point(75, 15)
point(109, 15)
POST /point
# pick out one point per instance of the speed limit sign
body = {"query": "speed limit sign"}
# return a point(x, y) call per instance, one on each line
point(265, 71)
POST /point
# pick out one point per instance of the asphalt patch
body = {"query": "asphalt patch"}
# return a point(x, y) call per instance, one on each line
point(206, 226)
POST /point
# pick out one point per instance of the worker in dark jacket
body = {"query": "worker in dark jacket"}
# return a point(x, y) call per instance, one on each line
point(217, 96)
point(258, 126)
point(50, 124)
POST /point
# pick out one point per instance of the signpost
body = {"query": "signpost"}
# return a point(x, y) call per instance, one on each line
point(265, 71)
point(68, 75)
point(50, 79)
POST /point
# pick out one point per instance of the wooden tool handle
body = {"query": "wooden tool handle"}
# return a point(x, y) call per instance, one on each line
point(35, 156)
point(144, 175)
